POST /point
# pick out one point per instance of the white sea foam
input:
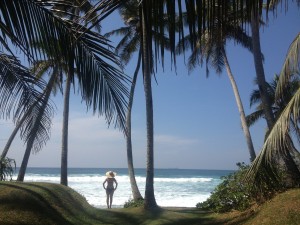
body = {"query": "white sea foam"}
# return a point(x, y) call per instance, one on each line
point(176, 191)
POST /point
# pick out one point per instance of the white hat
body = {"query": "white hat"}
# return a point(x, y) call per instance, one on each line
point(110, 174)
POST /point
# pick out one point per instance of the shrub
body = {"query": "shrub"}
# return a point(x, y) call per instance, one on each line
point(7, 167)
point(234, 192)
point(131, 203)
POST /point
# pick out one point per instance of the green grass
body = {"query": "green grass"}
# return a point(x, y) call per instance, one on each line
point(45, 203)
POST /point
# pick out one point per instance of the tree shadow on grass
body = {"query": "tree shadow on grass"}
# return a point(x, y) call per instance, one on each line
point(194, 216)
point(73, 209)
point(36, 204)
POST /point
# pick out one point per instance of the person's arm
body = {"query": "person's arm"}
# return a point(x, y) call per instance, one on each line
point(104, 184)
point(116, 184)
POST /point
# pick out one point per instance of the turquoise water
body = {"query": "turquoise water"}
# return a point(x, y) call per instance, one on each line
point(173, 187)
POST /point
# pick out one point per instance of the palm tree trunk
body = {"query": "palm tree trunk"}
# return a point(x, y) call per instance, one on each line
point(64, 149)
point(17, 128)
point(134, 188)
point(150, 201)
point(260, 74)
point(12, 136)
point(30, 142)
point(292, 175)
point(241, 109)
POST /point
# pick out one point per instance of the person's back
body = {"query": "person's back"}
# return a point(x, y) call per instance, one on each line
point(110, 182)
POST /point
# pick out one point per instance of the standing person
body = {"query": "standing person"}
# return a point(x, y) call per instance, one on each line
point(110, 189)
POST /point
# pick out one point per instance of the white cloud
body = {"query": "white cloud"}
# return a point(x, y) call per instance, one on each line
point(174, 140)
point(88, 128)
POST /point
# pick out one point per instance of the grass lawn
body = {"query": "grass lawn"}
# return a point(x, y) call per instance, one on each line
point(45, 203)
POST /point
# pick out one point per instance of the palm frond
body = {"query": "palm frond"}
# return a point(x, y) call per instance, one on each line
point(183, 45)
point(103, 86)
point(18, 88)
point(122, 31)
point(194, 59)
point(291, 65)
point(94, 60)
point(254, 117)
point(276, 141)
point(40, 68)
point(36, 128)
point(255, 97)
point(24, 21)
point(124, 41)
point(132, 46)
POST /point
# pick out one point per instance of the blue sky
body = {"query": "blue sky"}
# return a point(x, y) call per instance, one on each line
point(196, 120)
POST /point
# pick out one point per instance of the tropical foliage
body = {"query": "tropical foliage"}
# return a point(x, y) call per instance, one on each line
point(95, 64)
point(279, 142)
point(234, 193)
point(102, 84)
point(7, 168)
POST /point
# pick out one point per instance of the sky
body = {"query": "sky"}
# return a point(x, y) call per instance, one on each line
point(196, 120)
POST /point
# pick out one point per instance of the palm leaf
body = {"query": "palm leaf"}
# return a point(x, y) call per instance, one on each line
point(37, 125)
point(291, 65)
point(94, 61)
point(18, 88)
point(254, 117)
point(132, 46)
point(275, 143)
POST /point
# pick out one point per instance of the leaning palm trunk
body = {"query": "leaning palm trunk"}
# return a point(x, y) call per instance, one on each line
point(289, 166)
point(36, 125)
point(241, 109)
point(64, 148)
point(17, 128)
point(260, 74)
point(13, 134)
point(134, 188)
point(150, 201)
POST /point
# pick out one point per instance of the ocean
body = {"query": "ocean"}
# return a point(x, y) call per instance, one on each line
point(172, 187)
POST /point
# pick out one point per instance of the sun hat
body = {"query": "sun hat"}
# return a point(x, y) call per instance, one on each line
point(110, 174)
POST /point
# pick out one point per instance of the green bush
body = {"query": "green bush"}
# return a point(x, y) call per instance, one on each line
point(7, 167)
point(232, 193)
point(131, 203)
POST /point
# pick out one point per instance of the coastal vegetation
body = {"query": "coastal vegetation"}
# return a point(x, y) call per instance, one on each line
point(67, 38)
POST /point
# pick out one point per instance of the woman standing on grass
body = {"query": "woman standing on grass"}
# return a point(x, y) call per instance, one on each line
point(110, 189)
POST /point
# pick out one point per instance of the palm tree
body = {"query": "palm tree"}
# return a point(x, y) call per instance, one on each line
point(129, 44)
point(152, 14)
point(260, 74)
point(40, 68)
point(279, 142)
point(278, 103)
point(38, 131)
point(211, 48)
point(74, 11)
point(102, 83)
point(18, 90)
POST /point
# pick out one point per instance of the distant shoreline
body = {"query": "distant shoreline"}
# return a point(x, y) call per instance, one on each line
point(116, 168)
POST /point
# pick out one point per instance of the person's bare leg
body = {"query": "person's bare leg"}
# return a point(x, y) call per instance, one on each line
point(111, 199)
point(107, 200)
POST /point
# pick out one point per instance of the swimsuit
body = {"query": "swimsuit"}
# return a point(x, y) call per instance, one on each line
point(110, 190)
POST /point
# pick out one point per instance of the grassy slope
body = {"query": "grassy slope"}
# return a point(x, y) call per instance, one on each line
point(44, 203)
